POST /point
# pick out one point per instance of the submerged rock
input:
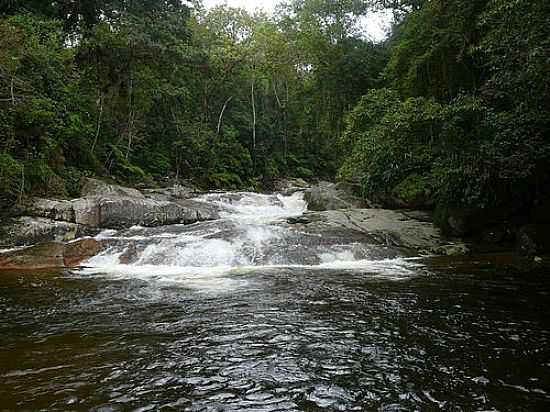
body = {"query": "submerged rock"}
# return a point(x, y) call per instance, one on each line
point(332, 196)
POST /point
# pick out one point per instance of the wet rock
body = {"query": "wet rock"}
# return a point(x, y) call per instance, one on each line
point(27, 230)
point(290, 186)
point(534, 239)
point(387, 227)
point(203, 211)
point(43, 256)
point(298, 220)
point(50, 255)
point(452, 249)
point(77, 252)
point(130, 255)
point(331, 196)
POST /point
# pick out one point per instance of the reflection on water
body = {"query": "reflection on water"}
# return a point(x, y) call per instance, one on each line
point(286, 340)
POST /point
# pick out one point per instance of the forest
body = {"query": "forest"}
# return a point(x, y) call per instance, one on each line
point(450, 113)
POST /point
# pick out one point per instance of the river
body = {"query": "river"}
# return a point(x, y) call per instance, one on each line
point(249, 313)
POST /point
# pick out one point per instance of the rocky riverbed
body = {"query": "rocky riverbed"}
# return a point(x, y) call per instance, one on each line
point(50, 230)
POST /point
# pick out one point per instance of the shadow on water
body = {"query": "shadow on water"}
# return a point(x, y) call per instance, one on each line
point(462, 335)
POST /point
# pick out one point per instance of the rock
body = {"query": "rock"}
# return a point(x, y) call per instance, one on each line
point(173, 193)
point(112, 207)
point(129, 256)
point(77, 252)
point(534, 239)
point(458, 221)
point(28, 230)
point(52, 209)
point(452, 249)
point(202, 211)
point(330, 196)
point(298, 220)
point(43, 256)
point(387, 227)
point(290, 186)
point(87, 211)
point(94, 187)
point(124, 212)
point(538, 260)
point(51, 255)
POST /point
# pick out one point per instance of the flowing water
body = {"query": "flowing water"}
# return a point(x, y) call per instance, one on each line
point(249, 313)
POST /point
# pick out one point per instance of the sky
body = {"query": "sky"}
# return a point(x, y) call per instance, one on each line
point(375, 24)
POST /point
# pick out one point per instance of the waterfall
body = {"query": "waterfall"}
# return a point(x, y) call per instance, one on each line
point(252, 235)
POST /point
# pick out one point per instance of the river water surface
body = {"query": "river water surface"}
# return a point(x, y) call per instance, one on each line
point(252, 314)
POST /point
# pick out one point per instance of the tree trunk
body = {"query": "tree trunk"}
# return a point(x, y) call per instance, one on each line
point(99, 118)
point(221, 115)
point(22, 190)
point(12, 91)
point(130, 116)
point(253, 122)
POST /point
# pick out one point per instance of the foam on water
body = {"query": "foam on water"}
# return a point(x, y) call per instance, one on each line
point(210, 256)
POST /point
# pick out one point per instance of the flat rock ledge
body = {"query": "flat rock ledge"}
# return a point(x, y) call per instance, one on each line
point(51, 255)
point(405, 229)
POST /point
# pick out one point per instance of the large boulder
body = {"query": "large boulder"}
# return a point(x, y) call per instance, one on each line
point(93, 187)
point(124, 212)
point(331, 196)
point(112, 207)
point(463, 221)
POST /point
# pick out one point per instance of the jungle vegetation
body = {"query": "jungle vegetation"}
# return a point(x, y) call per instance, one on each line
point(452, 109)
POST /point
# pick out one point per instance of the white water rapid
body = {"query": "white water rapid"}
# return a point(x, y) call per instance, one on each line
point(252, 235)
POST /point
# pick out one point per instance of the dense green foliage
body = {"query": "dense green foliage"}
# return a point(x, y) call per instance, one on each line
point(153, 89)
point(465, 115)
point(451, 110)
